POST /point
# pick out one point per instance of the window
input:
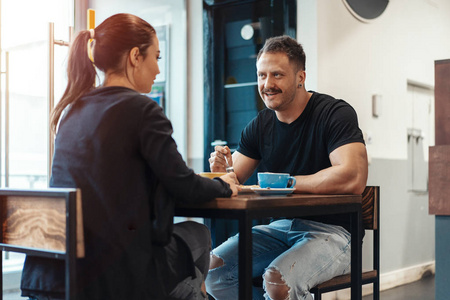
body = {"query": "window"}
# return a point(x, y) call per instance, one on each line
point(24, 93)
point(24, 118)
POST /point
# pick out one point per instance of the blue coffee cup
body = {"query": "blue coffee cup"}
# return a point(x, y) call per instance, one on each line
point(276, 180)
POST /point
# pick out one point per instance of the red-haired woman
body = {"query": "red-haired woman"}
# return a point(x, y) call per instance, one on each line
point(116, 145)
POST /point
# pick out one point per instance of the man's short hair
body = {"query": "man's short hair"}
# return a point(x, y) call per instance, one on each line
point(287, 45)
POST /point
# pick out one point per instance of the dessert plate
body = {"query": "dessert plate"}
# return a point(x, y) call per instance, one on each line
point(245, 189)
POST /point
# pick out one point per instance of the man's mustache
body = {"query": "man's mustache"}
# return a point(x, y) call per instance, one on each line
point(271, 91)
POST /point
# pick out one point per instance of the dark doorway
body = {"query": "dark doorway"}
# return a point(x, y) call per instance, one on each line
point(234, 32)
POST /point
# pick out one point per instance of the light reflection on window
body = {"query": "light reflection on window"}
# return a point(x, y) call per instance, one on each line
point(25, 36)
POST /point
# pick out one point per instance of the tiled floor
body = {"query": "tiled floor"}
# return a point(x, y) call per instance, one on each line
point(420, 290)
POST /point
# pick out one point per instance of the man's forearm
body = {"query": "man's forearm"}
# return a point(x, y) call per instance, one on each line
point(333, 180)
point(347, 175)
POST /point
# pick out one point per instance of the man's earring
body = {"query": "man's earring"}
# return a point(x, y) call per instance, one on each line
point(299, 85)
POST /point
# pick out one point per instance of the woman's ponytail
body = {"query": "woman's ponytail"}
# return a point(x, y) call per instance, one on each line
point(81, 75)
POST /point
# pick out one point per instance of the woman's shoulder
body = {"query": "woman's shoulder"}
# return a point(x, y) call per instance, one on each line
point(116, 95)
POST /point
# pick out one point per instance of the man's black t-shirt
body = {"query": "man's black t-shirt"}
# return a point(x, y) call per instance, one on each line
point(302, 147)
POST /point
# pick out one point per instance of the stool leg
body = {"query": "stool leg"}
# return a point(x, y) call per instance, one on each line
point(376, 289)
point(317, 296)
point(1, 276)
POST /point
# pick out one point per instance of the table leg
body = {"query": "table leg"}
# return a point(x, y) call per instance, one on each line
point(211, 224)
point(356, 256)
point(245, 257)
point(1, 275)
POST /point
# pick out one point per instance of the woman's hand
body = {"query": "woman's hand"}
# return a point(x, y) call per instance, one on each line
point(232, 180)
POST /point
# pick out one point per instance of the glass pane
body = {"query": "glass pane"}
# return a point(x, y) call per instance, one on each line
point(27, 42)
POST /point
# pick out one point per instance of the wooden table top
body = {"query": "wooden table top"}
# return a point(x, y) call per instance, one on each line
point(253, 200)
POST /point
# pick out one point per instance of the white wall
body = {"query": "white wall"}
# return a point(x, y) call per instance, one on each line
point(307, 36)
point(357, 60)
point(195, 85)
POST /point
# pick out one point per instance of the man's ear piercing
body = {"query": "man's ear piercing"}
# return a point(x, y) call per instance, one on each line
point(299, 85)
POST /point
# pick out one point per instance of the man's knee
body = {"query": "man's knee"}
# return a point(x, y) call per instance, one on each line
point(215, 262)
point(275, 286)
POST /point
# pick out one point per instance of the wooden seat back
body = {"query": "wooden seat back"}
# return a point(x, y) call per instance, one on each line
point(46, 223)
point(370, 207)
point(370, 215)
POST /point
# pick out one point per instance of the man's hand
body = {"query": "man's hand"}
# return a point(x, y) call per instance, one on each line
point(232, 180)
point(243, 166)
point(220, 159)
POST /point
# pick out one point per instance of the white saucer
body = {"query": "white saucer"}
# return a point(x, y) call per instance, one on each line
point(273, 191)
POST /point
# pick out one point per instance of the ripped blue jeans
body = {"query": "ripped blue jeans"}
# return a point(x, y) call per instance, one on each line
point(304, 252)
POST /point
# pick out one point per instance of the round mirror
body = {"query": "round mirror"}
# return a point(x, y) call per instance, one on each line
point(366, 10)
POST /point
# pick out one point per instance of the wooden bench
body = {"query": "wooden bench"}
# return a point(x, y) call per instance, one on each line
point(46, 223)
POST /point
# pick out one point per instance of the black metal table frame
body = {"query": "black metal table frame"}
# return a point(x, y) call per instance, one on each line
point(245, 217)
